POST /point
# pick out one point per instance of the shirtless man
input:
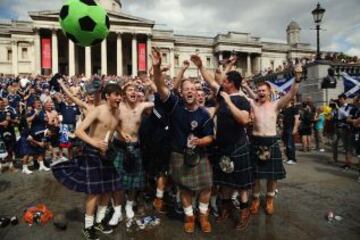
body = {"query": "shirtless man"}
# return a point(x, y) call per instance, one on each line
point(265, 151)
point(92, 173)
point(125, 152)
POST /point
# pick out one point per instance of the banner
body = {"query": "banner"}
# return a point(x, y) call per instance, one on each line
point(142, 57)
point(351, 85)
point(282, 85)
point(46, 53)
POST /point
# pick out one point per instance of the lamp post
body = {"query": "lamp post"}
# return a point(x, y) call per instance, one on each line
point(318, 14)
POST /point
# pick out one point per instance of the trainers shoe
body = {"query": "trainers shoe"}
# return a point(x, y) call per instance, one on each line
point(189, 225)
point(269, 209)
point(179, 209)
point(103, 227)
point(26, 171)
point(345, 167)
point(255, 206)
point(159, 205)
point(90, 234)
point(44, 168)
point(290, 162)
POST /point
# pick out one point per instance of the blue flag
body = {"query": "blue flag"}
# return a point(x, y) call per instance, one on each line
point(351, 85)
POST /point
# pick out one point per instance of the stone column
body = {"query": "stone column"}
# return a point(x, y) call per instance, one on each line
point(221, 57)
point(104, 57)
point(88, 71)
point(14, 51)
point(37, 52)
point(71, 58)
point(248, 65)
point(172, 63)
point(54, 55)
point(148, 52)
point(119, 55)
point(258, 59)
point(134, 56)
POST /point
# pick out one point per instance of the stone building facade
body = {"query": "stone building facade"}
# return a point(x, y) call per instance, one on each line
point(21, 47)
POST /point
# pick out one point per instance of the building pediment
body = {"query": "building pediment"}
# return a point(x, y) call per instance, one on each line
point(117, 18)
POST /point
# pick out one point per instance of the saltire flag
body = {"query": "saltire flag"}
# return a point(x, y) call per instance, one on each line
point(351, 85)
point(280, 86)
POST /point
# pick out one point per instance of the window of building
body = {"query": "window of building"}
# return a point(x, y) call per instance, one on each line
point(24, 53)
point(9, 54)
point(177, 61)
point(208, 61)
point(164, 58)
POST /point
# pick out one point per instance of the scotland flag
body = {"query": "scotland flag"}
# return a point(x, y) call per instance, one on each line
point(351, 85)
point(281, 85)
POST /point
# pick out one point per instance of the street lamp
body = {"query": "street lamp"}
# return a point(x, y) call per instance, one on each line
point(318, 14)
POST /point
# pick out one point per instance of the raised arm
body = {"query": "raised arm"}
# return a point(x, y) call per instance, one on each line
point(158, 76)
point(241, 116)
point(248, 90)
point(282, 102)
point(76, 100)
point(180, 74)
point(205, 73)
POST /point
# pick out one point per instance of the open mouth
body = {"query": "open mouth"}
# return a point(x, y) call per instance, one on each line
point(189, 97)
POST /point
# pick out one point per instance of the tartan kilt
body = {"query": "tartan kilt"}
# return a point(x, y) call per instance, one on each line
point(89, 173)
point(242, 176)
point(192, 178)
point(134, 180)
point(272, 169)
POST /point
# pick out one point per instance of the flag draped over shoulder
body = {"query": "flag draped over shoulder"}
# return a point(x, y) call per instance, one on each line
point(351, 85)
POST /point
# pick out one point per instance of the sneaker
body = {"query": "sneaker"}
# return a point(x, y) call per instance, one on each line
point(90, 233)
point(103, 227)
point(345, 167)
point(44, 168)
point(290, 162)
point(179, 209)
point(26, 171)
point(322, 150)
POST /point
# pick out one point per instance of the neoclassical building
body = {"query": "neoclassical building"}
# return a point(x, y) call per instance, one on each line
point(39, 46)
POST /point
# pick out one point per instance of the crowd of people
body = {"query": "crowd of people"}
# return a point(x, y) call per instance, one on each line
point(210, 139)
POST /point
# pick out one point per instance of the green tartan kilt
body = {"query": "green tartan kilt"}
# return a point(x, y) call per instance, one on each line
point(191, 178)
point(134, 180)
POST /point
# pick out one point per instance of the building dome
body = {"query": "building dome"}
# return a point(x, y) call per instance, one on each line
point(293, 26)
point(111, 5)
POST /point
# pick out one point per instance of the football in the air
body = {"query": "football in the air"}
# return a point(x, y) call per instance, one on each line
point(85, 22)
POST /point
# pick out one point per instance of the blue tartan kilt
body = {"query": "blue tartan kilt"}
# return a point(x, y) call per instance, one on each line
point(23, 147)
point(272, 169)
point(132, 173)
point(90, 173)
point(242, 176)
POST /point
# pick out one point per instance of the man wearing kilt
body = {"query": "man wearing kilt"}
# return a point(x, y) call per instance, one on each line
point(92, 173)
point(265, 150)
point(191, 131)
point(125, 152)
point(232, 165)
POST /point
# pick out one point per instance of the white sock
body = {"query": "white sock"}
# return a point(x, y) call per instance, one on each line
point(159, 193)
point(256, 195)
point(129, 209)
point(178, 199)
point(271, 194)
point(100, 214)
point(25, 167)
point(203, 207)
point(117, 216)
point(235, 195)
point(89, 221)
point(213, 202)
point(41, 163)
point(11, 165)
point(189, 211)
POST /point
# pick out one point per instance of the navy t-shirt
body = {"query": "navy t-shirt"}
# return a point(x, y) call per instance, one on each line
point(185, 122)
point(69, 113)
point(14, 100)
point(229, 131)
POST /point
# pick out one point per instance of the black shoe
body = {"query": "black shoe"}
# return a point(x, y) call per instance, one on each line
point(103, 227)
point(90, 233)
point(345, 167)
